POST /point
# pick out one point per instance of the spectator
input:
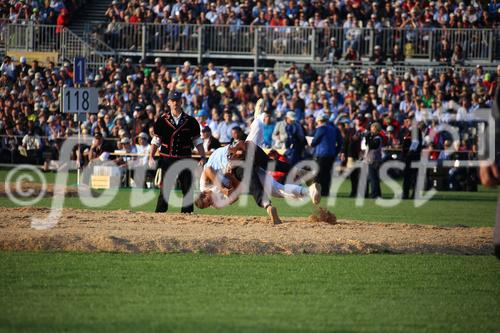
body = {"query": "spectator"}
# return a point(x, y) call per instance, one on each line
point(225, 127)
point(445, 52)
point(142, 149)
point(99, 150)
point(210, 143)
point(332, 53)
point(397, 55)
point(31, 145)
point(458, 57)
point(295, 142)
point(279, 135)
point(351, 54)
point(289, 13)
point(62, 20)
point(269, 126)
point(8, 68)
point(377, 58)
point(353, 35)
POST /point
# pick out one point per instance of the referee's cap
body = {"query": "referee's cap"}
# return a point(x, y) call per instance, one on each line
point(175, 95)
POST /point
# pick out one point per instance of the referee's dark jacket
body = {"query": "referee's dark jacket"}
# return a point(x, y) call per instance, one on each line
point(176, 141)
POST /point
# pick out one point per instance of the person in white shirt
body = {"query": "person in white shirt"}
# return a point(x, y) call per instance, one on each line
point(31, 141)
point(256, 134)
point(142, 148)
point(212, 14)
point(8, 68)
point(279, 134)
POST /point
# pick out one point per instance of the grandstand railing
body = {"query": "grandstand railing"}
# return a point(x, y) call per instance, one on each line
point(479, 45)
point(302, 44)
point(99, 45)
point(32, 37)
point(73, 46)
point(3, 25)
point(398, 69)
point(48, 38)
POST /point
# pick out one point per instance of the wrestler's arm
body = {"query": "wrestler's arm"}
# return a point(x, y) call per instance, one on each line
point(210, 175)
point(214, 178)
point(233, 180)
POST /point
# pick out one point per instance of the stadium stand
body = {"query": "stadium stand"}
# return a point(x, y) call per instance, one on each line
point(132, 96)
point(38, 12)
point(361, 69)
point(412, 29)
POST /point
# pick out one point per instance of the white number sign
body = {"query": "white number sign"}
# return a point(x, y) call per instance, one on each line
point(79, 100)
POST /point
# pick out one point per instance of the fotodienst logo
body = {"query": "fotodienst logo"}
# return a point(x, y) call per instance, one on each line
point(20, 181)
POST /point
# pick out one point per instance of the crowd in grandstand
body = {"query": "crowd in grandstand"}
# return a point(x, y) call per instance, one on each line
point(132, 97)
point(315, 13)
point(38, 12)
point(345, 28)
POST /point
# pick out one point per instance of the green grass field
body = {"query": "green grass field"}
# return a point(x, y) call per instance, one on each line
point(60, 292)
point(106, 292)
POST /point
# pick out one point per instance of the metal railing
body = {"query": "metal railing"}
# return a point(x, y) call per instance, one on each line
point(286, 41)
point(73, 46)
point(180, 38)
point(302, 44)
point(227, 40)
point(48, 38)
point(99, 45)
point(32, 37)
point(3, 34)
point(398, 70)
point(480, 45)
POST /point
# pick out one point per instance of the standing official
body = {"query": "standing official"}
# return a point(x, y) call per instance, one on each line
point(373, 157)
point(176, 133)
point(327, 143)
point(411, 149)
point(352, 153)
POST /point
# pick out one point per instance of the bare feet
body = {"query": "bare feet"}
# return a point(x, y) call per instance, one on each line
point(273, 214)
point(315, 193)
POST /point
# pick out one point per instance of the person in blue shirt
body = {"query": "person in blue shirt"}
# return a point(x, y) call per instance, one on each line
point(269, 125)
point(225, 127)
point(327, 143)
point(295, 142)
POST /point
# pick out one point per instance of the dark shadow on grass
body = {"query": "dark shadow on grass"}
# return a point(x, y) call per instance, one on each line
point(174, 325)
point(477, 197)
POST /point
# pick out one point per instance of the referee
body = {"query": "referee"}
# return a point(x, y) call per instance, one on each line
point(175, 134)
